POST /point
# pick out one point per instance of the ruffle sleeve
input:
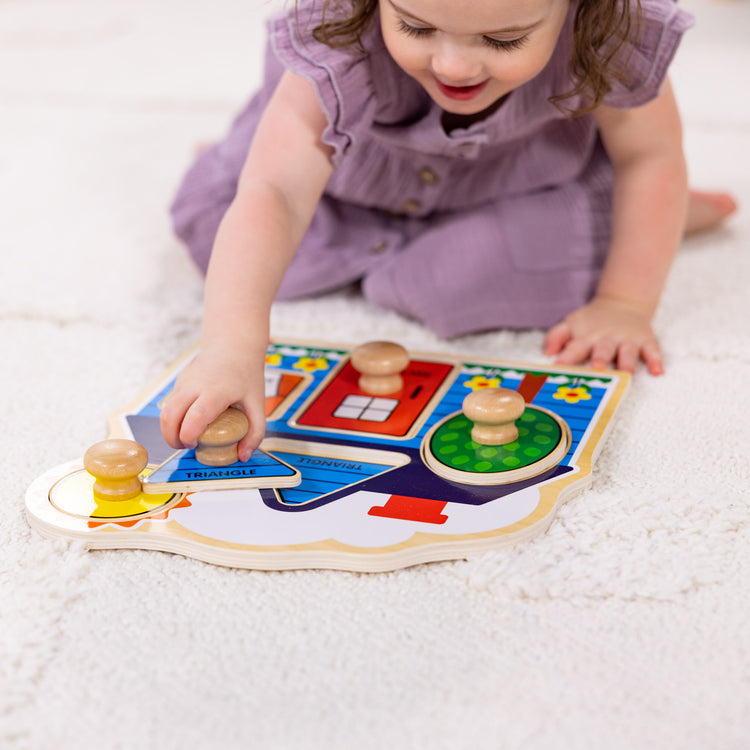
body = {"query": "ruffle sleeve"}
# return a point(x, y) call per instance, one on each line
point(647, 57)
point(342, 77)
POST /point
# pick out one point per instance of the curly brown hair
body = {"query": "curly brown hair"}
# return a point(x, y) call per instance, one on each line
point(600, 30)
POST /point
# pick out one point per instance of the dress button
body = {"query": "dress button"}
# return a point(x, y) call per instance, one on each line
point(428, 177)
point(411, 206)
point(379, 247)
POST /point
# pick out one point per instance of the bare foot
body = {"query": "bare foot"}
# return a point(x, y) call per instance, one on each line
point(707, 210)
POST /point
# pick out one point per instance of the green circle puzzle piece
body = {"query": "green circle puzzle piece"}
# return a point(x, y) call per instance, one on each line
point(538, 435)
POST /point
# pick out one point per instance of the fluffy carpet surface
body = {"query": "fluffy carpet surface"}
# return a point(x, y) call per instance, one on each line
point(626, 625)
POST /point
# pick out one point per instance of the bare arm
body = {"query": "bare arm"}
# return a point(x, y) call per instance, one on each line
point(650, 202)
point(284, 175)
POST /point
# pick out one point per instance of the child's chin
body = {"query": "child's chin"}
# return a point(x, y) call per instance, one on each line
point(461, 108)
point(479, 108)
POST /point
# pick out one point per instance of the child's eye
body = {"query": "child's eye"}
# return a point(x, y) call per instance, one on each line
point(499, 44)
point(410, 30)
point(505, 44)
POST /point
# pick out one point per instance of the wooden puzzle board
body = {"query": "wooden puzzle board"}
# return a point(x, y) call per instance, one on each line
point(379, 482)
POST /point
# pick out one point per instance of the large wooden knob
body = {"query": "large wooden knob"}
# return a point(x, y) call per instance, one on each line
point(494, 412)
point(380, 364)
point(115, 465)
point(217, 445)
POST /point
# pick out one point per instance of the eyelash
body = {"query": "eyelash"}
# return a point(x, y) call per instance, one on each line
point(496, 44)
point(500, 44)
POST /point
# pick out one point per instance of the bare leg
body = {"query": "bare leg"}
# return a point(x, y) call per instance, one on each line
point(707, 210)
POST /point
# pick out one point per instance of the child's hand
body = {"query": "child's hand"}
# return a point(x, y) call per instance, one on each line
point(606, 332)
point(212, 382)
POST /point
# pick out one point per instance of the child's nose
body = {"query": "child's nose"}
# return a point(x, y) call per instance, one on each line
point(455, 65)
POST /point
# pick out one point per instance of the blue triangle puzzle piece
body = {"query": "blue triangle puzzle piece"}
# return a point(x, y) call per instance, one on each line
point(183, 473)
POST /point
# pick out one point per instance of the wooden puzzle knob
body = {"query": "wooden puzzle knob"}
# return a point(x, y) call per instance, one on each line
point(115, 465)
point(217, 445)
point(380, 364)
point(494, 412)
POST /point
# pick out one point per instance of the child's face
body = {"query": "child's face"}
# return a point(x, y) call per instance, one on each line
point(468, 54)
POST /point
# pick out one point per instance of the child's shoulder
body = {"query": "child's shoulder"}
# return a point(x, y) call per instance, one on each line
point(306, 19)
point(295, 35)
point(353, 82)
point(660, 9)
point(645, 57)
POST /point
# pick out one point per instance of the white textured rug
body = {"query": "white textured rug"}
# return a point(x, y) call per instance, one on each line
point(627, 625)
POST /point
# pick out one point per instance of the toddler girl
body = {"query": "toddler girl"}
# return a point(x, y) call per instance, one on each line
point(474, 164)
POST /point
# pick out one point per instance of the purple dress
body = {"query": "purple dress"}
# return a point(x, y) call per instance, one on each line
point(505, 223)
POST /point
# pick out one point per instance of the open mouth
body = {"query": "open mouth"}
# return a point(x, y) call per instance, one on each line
point(461, 93)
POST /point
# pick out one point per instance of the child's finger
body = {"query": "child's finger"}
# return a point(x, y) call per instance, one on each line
point(171, 417)
point(251, 441)
point(627, 356)
point(575, 352)
point(255, 433)
point(652, 356)
point(603, 353)
point(201, 413)
point(248, 444)
point(556, 339)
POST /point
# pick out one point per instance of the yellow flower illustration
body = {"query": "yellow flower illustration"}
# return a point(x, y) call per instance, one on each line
point(273, 360)
point(572, 395)
point(308, 364)
point(478, 382)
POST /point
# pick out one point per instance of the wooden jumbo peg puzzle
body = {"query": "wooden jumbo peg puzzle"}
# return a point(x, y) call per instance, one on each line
point(374, 459)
